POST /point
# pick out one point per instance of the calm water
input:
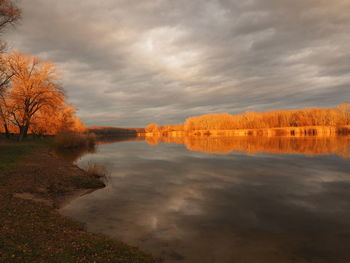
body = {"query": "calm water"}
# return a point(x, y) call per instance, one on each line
point(224, 200)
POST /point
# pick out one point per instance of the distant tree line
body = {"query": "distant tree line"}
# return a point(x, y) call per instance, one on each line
point(114, 131)
point(259, 120)
point(31, 98)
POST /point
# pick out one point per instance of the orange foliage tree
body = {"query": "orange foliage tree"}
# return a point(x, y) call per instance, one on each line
point(259, 120)
point(35, 102)
point(271, 119)
point(56, 121)
point(153, 127)
point(33, 87)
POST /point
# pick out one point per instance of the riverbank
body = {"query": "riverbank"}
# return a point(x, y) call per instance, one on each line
point(33, 184)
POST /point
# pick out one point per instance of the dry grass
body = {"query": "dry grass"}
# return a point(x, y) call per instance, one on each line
point(71, 140)
point(96, 170)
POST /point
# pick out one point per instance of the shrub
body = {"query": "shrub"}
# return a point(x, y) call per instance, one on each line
point(153, 127)
point(96, 170)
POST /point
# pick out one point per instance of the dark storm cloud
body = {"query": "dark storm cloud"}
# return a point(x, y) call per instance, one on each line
point(129, 63)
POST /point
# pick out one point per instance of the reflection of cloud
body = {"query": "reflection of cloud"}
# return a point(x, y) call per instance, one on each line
point(134, 63)
point(171, 199)
point(182, 201)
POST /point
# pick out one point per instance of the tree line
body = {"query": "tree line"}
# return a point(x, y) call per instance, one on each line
point(337, 116)
point(31, 98)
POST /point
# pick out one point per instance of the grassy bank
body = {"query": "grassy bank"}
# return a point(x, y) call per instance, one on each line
point(11, 153)
point(33, 182)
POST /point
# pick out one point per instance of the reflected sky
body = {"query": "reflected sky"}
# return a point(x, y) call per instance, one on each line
point(190, 206)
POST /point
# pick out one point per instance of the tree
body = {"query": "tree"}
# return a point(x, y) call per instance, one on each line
point(56, 120)
point(153, 127)
point(4, 115)
point(270, 119)
point(34, 88)
point(9, 14)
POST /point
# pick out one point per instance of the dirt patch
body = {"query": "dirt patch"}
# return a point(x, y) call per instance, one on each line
point(29, 196)
point(47, 177)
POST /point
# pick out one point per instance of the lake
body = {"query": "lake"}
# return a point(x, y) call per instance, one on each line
point(201, 200)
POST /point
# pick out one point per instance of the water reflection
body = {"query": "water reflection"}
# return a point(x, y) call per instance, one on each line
point(339, 145)
point(114, 139)
point(72, 155)
point(187, 206)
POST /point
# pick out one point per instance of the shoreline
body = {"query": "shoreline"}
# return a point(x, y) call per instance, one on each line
point(31, 227)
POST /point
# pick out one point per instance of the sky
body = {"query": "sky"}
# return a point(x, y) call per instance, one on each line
point(128, 63)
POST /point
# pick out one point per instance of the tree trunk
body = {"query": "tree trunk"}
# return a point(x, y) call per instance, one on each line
point(25, 133)
point(7, 133)
point(21, 133)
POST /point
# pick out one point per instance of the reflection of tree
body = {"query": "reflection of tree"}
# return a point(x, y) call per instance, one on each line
point(73, 155)
point(113, 139)
point(251, 144)
point(152, 140)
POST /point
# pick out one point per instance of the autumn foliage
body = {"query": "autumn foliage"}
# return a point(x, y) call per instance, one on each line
point(338, 116)
point(31, 98)
point(33, 101)
point(153, 127)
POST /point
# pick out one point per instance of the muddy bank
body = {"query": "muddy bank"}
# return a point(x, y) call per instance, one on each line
point(44, 176)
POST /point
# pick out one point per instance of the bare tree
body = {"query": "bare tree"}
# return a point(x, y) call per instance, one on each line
point(9, 14)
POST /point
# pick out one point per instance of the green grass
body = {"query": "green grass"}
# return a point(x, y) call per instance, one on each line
point(12, 152)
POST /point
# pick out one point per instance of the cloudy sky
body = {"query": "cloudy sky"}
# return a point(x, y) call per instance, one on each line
point(132, 62)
